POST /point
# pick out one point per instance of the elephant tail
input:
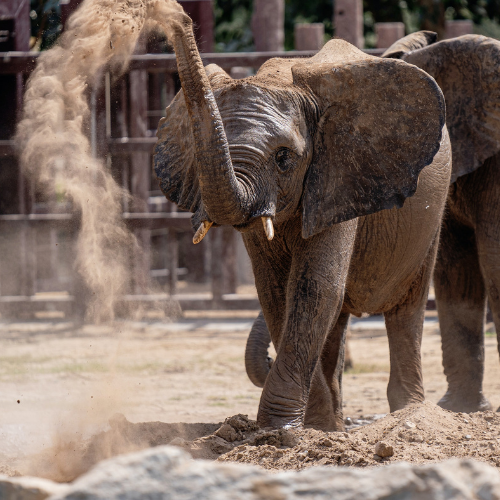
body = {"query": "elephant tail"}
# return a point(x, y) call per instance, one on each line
point(257, 361)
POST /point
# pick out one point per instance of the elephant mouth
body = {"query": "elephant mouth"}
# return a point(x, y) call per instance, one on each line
point(258, 222)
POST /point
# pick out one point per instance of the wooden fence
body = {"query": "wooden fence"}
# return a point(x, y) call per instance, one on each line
point(124, 117)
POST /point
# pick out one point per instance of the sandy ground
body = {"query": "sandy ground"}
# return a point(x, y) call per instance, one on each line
point(61, 382)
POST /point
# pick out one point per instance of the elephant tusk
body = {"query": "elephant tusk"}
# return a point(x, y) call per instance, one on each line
point(268, 227)
point(202, 231)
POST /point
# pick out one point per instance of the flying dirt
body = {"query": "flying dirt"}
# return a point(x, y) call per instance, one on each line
point(52, 136)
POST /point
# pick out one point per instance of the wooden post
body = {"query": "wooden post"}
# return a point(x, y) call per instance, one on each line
point(458, 28)
point(229, 258)
point(309, 36)
point(238, 72)
point(173, 260)
point(140, 174)
point(216, 266)
point(434, 18)
point(268, 25)
point(348, 21)
point(388, 33)
point(18, 265)
point(202, 14)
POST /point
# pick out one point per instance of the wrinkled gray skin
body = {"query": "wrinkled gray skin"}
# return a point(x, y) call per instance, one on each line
point(468, 264)
point(328, 147)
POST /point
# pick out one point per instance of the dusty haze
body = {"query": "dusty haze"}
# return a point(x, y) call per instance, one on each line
point(52, 136)
point(55, 152)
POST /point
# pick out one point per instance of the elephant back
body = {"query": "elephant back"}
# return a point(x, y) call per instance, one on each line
point(466, 69)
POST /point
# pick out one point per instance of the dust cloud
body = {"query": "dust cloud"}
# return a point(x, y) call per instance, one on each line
point(53, 141)
point(55, 152)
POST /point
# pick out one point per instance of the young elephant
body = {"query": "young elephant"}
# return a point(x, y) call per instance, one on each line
point(467, 268)
point(320, 152)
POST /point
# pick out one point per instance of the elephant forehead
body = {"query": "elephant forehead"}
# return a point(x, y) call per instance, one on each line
point(263, 119)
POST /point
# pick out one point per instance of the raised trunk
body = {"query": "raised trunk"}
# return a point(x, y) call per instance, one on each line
point(257, 361)
point(225, 199)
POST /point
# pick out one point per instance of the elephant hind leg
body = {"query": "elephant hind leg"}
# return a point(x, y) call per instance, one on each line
point(461, 299)
point(405, 323)
point(324, 407)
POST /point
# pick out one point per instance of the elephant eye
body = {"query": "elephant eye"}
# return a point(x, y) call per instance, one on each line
point(284, 159)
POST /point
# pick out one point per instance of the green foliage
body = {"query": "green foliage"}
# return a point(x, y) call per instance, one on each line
point(233, 31)
point(45, 22)
point(233, 18)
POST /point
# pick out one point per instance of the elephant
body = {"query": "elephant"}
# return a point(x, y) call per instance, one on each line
point(316, 162)
point(467, 271)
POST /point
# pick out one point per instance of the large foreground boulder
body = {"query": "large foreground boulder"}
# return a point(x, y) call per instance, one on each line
point(170, 473)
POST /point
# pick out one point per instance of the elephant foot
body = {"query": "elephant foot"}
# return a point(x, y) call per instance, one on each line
point(461, 404)
point(326, 423)
point(398, 403)
point(273, 421)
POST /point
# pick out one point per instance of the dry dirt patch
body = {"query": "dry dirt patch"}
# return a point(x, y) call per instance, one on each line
point(76, 378)
point(422, 433)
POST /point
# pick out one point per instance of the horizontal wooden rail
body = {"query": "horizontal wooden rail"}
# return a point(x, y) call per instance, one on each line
point(25, 62)
point(147, 220)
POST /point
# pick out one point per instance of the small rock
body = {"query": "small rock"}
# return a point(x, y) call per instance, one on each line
point(489, 417)
point(225, 431)
point(466, 421)
point(468, 436)
point(384, 450)
point(409, 425)
point(326, 442)
point(241, 422)
point(348, 421)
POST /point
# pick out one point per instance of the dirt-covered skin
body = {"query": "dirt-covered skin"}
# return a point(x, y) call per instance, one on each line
point(467, 272)
point(319, 149)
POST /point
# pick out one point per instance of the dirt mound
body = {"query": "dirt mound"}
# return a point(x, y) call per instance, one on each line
point(421, 433)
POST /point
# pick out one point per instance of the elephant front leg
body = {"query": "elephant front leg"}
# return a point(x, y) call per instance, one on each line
point(324, 408)
point(314, 298)
point(405, 324)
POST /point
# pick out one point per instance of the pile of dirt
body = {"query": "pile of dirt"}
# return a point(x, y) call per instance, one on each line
point(421, 433)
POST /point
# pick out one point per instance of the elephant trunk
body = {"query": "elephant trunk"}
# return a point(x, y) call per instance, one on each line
point(257, 361)
point(224, 197)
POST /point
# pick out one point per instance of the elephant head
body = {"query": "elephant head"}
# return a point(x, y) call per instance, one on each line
point(466, 69)
point(334, 137)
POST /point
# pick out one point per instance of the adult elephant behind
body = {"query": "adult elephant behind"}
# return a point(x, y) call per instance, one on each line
point(467, 271)
point(310, 159)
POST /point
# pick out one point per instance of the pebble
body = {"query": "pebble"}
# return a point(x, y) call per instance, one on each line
point(384, 450)
point(409, 425)
point(348, 421)
point(468, 436)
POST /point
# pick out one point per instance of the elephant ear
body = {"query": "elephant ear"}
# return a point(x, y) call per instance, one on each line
point(466, 69)
point(380, 124)
point(409, 43)
point(173, 160)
